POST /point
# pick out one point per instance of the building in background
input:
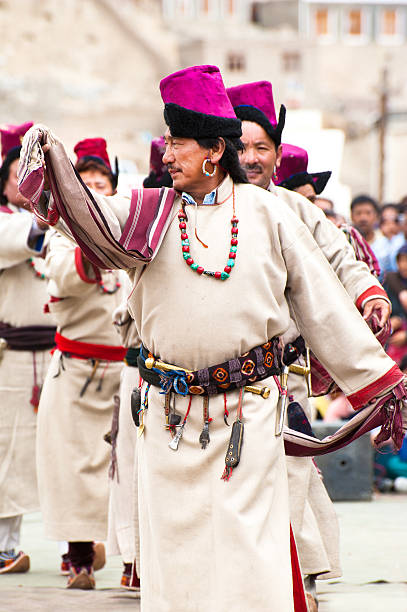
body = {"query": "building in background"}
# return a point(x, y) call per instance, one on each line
point(325, 56)
point(92, 67)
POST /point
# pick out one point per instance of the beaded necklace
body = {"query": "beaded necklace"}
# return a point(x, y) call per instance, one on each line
point(186, 245)
point(38, 274)
point(115, 285)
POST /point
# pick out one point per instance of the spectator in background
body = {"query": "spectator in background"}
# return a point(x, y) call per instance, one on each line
point(388, 245)
point(396, 286)
point(324, 204)
point(365, 213)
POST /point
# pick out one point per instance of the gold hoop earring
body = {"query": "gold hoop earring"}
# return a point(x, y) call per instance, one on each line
point(204, 170)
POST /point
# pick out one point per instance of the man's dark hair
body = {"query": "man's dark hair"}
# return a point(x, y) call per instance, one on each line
point(85, 165)
point(230, 159)
point(11, 156)
point(394, 207)
point(364, 199)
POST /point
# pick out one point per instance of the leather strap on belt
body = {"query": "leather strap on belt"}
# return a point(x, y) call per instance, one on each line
point(257, 364)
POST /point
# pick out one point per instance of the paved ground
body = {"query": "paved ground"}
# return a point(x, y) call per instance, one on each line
point(374, 556)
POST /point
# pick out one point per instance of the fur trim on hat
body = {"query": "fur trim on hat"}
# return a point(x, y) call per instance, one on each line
point(317, 179)
point(187, 123)
point(251, 113)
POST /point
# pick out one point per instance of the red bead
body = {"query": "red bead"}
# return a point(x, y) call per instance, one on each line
point(217, 274)
point(38, 273)
point(190, 261)
point(228, 269)
point(235, 220)
point(185, 249)
point(200, 270)
point(233, 242)
point(181, 215)
point(235, 230)
point(32, 264)
point(232, 255)
point(182, 226)
point(184, 236)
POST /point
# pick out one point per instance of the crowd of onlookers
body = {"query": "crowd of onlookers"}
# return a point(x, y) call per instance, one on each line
point(385, 229)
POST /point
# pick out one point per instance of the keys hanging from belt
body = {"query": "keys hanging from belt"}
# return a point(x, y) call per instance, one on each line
point(282, 402)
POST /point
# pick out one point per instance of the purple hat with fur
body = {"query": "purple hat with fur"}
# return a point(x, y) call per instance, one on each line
point(255, 102)
point(159, 176)
point(156, 156)
point(293, 173)
point(196, 104)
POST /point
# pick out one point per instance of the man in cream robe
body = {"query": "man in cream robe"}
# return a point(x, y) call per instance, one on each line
point(312, 513)
point(22, 367)
point(76, 410)
point(206, 543)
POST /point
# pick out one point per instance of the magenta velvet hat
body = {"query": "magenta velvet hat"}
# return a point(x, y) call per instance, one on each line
point(12, 135)
point(156, 156)
point(196, 104)
point(159, 175)
point(293, 172)
point(255, 102)
point(92, 147)
point(95, 149)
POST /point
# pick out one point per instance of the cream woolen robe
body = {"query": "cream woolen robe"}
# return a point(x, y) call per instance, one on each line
point(206, 544)
point(72, 457)
point(23, 296)
point(312, 513)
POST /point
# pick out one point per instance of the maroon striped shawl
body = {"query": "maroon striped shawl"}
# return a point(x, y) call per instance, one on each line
point(81, 210)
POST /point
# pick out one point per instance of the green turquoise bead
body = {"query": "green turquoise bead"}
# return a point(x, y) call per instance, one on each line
point(224, 276)
point(233, 249)
point(185, 242)
point(231, 263)
point(186, 255)
point(194, 266)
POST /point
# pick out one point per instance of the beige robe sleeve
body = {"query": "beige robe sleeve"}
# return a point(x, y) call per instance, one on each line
point(354, 275)
point(324, 312)
point(14, 234)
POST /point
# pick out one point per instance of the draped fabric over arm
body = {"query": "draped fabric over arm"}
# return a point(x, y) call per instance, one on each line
point(113, 232)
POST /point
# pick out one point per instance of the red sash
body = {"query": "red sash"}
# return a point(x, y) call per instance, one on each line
point(87, 350)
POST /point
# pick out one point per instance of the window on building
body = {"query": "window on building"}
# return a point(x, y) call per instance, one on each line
point(321, 22)
point(291, 61)
point(355, 23)
point(236, 62)
point(389, 22)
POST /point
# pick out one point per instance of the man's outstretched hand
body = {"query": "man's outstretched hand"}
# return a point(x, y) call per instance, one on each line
point(378, 307)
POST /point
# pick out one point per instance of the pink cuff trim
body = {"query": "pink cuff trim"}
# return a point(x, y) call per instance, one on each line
point(374, 292)
point(362, 397)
